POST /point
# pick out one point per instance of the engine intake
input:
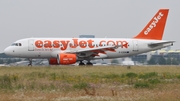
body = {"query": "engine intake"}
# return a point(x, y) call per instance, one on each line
point(66, 59)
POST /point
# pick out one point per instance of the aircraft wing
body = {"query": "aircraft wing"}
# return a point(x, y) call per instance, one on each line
point(89, 52)
point(155, 44)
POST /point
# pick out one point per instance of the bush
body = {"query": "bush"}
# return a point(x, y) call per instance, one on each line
point(81, 85)
point(111, 76)
point(154, 81)
point(5, 82)
point(53, 76)
point(178, 76)
point(141, 85)
point(131, 75)
point(148, 75)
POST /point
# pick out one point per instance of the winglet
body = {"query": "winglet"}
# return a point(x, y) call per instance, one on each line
point(155, 28)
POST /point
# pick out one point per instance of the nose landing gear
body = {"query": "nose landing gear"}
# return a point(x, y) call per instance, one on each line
point(30, 62)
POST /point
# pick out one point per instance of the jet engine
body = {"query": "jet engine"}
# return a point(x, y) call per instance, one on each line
point(66, 59)
point(63, 59)
point(53, 61)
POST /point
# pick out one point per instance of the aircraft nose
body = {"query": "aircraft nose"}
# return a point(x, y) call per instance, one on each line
point(8, 51)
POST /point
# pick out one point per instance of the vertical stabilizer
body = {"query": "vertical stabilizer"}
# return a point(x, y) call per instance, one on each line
point(155, 28)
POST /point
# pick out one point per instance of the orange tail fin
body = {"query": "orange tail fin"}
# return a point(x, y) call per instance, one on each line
point(155, 28)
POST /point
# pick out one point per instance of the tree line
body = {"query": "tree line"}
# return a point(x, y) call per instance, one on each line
point(164, 61)
point(9, 60)
point(2, 55)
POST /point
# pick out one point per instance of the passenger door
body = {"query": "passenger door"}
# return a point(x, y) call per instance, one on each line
point(31, 45)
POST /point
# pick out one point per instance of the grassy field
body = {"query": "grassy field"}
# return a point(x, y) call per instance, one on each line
point(98, 83)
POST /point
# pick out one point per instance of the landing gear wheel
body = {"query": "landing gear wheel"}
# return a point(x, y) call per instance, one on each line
point(30, 63)
point(89, 64)
point(81, 63)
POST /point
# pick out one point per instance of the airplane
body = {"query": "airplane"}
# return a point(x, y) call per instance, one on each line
point(67, 51)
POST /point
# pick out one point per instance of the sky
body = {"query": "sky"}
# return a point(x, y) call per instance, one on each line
point(71, 18)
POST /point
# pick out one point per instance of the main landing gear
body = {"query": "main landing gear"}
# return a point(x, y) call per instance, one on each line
point(30, 62)
point(87, 64)
point(81, 63)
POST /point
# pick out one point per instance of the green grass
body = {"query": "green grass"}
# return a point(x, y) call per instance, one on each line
point(74, 81)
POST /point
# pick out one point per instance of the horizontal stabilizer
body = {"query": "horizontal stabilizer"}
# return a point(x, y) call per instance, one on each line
point(160, 43)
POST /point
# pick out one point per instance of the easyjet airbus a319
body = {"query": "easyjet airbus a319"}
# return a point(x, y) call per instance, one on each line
point(65, 51)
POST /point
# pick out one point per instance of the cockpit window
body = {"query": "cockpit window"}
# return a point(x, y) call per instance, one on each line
point(16, 44)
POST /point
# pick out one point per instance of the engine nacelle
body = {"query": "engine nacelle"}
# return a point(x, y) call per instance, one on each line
point(66, 59)
point(53, 61)
point(63, 59)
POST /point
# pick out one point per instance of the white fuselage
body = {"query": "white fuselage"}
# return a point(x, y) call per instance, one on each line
point(46, 47)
